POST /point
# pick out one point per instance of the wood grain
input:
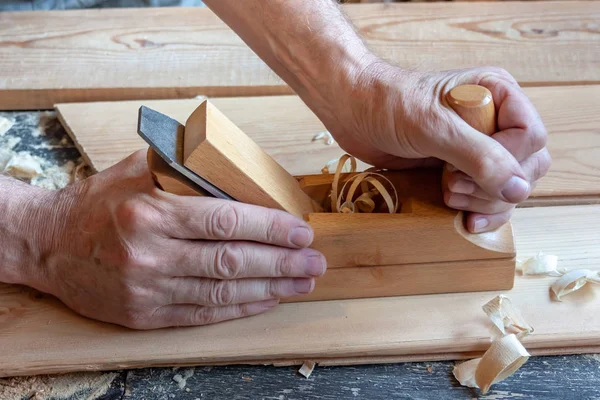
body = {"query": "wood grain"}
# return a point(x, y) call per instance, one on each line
point(411, 279)
point(38, 334)
point(283, 126)
point(221, 153)
point(52, 57)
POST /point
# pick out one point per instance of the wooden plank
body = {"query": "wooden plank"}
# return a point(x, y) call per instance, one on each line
point(52, 57)
point(39, 335)
point(283, 126)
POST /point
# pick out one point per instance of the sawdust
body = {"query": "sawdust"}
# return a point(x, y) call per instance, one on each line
point(23, 165)
point(595, 357)
point(182, 379)
point(5, 125)
point(88, 385)
point(39, 172)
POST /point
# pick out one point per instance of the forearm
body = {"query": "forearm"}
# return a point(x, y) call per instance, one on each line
point(309, 44)
point(30, 225)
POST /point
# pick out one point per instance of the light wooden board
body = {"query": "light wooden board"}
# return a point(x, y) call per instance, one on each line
point(94, 55)
point(283, 126)
point(39, 335)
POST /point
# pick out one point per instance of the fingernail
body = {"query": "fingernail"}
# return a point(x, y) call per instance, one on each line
point(515, 190)
point(262, 306)
point(303, 286)
point(314, 265)
point(480, 224)
point(458, 201)
point(300, 236)
point(463, 186)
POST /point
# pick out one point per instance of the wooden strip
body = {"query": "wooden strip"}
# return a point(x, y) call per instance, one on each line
point(221, 153)
point(95, 55)
point(351, 240)
point(38, 334)
point(283, 126)
point(411, 279)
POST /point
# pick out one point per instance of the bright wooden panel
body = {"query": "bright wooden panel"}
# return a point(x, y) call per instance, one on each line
point(94, 55)
point(39, 335)
point(283, 126)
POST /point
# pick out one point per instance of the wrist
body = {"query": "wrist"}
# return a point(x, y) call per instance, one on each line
point(34, 225)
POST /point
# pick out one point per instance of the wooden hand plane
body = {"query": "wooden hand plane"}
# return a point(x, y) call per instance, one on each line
point(422, 249)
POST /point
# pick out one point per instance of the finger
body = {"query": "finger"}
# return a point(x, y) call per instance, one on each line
point(237, 260)
point(522, 131)
point(489, 164)
point(218, 293)
point(193, 315)
point(189, 217)
point(535, 167)
point(473, 204)
point(478, 223)
point(460, 183)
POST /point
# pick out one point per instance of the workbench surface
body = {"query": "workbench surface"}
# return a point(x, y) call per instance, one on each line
point(560, 377)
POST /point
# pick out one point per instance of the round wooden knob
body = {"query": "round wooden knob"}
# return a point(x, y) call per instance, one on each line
point(475, 105)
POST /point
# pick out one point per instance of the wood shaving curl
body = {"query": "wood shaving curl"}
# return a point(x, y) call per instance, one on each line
point(506, 354)
point(365, 186)
point(569, 281)
point(572, 281)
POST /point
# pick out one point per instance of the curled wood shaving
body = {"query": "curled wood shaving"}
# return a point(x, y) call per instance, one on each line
point(307, 368)
point(332, 166)
point(325, 137)
point(506, 354)
point(572, 281)
point(506, 318)
point(541, 264)
point(569, 281)
point(366, 184)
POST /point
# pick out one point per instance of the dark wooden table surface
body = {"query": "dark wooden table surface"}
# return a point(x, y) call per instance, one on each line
point(560, 377)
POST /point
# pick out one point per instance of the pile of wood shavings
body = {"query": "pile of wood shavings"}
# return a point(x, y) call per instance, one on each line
point(364, 192)
point(89, 385)
point(34, 169)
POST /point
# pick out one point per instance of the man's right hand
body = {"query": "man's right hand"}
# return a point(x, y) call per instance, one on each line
point(143, 258)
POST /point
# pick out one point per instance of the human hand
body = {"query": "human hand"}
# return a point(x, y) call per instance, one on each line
point(399, 119)
point(143, 258)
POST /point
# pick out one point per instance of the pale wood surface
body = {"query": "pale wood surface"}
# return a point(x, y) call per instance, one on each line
point(221, 153)
point(170, 180)
point(37, 334)
point(410, 279)
point(94, 55)
point(283, 126)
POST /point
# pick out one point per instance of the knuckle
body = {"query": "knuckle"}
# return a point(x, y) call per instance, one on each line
point(284, 264)
point(224, 221)
point(485, 165)
point(204, 316)
point(501, 72)
point(134, 214)
point(538, 137)
point(134, 318)
point(272, 288)
point(276, 229)
point(230, 262)
point(222, 293)
point(542, 165)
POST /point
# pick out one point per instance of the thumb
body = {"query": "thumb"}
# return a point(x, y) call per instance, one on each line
point(487, 162)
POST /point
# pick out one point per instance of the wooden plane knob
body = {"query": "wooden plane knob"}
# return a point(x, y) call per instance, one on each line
point(475, 105)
